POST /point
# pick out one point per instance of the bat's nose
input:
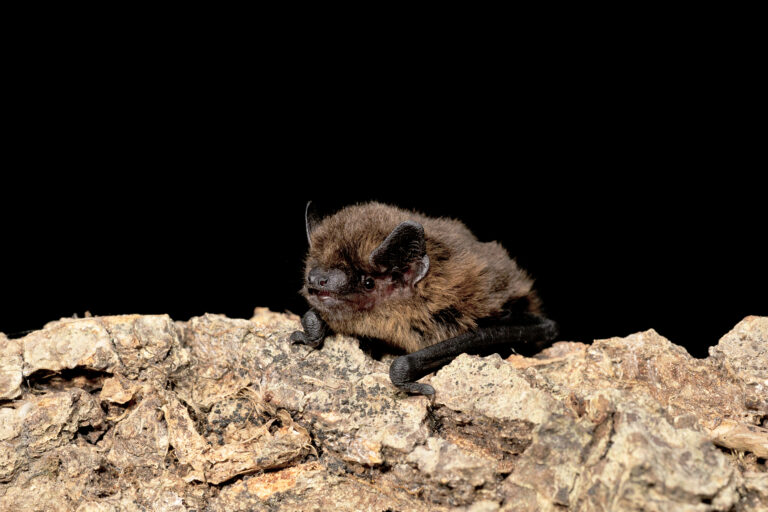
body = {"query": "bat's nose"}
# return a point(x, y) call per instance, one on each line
point(332, 280)
point(317, 278)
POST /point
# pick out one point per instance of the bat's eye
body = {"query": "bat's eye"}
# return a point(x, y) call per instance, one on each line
point(369, 283)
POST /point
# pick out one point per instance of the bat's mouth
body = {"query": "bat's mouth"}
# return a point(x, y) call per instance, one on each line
point(324, 296)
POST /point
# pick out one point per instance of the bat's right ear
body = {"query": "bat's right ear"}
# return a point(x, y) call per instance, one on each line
point(404, 248)
point(311, 220)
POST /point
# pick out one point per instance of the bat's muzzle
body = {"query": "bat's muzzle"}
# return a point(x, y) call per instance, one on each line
point(331, 280)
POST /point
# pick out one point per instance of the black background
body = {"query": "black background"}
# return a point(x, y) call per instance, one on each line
point(609, 258)
point(631, 192)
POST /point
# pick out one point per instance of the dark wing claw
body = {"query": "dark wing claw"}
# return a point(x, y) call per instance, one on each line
point(315, 330)
point(403, 374)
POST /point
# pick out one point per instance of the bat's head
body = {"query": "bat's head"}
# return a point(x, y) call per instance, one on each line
point(362, 258)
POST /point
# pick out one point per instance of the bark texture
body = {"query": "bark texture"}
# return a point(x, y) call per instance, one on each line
point(216, 414)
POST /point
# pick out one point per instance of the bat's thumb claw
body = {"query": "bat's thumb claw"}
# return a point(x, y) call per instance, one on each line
point(301, 337)
point(298, 337)
point(416, 388)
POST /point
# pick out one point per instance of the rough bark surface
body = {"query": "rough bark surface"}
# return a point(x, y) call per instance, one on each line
point(216, 414)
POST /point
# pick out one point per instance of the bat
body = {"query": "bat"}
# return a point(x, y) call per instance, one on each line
point(421, 284)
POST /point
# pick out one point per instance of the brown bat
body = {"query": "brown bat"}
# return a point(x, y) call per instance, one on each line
point(425, 285)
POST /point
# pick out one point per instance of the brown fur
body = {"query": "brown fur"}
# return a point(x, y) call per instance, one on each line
point(467, 280)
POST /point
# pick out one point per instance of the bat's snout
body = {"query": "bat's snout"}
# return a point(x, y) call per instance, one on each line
point(331, 280)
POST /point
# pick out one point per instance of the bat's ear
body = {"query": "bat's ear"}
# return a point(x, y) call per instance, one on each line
point(405, 251)
point(311, 219)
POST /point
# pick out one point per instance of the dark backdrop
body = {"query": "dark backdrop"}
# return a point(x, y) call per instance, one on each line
point(628, 197)
point(612, 255)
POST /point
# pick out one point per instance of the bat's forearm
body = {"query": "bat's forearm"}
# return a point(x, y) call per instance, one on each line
point(532, 330)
